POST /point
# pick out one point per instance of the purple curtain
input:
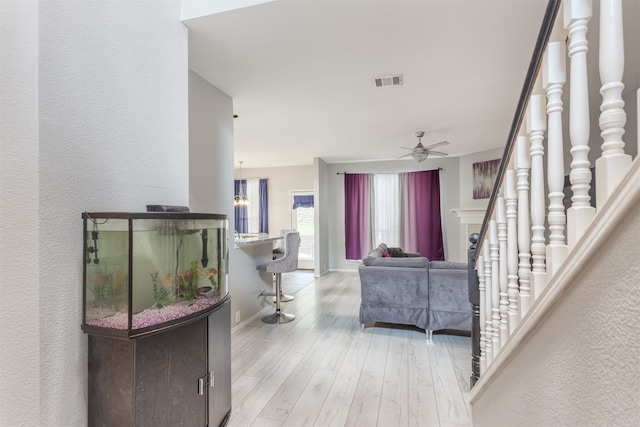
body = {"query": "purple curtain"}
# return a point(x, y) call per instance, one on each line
point(264, 207)
point(421, 229)
point(357, 215)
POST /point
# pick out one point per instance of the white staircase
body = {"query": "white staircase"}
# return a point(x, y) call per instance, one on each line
point(558, 330)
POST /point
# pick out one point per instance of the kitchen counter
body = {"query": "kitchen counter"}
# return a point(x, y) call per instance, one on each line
point(245, 279)
point(244, 240)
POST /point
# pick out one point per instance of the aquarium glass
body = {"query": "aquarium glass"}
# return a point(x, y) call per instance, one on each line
point(153, 269)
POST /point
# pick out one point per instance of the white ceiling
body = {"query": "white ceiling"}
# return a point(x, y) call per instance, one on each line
point(301, 75)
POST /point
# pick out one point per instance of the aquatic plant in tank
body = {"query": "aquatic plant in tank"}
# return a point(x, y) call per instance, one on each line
point(100, 285)
point(162, 294)
point(188, 283)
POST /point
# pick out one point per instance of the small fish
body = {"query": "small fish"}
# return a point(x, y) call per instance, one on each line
point(203, 290)
point(167, 279)
point(206, 272)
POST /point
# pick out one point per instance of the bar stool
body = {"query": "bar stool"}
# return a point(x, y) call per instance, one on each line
point(278, 252)
point(285, 264)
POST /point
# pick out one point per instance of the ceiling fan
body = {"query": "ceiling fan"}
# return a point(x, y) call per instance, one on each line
point(420, 153)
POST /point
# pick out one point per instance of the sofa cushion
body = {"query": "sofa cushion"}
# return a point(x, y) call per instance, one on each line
point(397, 252)
point(374, 254)
point(418, 262)
point(382, 247)
point(447, 265)
point(383, 251)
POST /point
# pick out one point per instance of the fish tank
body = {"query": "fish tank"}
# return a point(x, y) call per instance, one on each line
point(146, 272)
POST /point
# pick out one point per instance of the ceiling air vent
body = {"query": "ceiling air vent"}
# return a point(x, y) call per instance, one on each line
point(388, 81)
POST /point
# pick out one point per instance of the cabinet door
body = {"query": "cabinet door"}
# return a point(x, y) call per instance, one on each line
point(111, 384)
point(168, 366)
point(220, 363)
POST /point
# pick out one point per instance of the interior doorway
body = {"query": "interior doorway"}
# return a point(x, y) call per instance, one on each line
point(303, 220)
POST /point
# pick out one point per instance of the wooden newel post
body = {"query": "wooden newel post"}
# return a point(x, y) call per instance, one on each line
point(474, 300)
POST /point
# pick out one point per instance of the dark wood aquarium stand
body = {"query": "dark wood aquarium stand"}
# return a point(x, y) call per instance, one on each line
point(177, 376)
point(157, 312)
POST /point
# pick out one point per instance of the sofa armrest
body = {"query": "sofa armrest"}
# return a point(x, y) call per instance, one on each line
point(394, 286)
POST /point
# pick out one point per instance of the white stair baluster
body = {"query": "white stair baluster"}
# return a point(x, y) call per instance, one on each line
point(524, 230)
point(554, 77)
point(504, 278)
point(481, 289)
point(536, 125)
point(614, 163)
point(512, 249)
point(488, 309)
point(495, 286)
point(579, 216)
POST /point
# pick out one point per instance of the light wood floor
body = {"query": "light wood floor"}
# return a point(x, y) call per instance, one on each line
point(321, 370)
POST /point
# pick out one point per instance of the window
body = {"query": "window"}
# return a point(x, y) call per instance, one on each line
point(253, 218)
point(386, 209)
point(303, 220)
point(397, 209)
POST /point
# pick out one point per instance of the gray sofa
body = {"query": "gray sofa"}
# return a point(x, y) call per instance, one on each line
point(411, 290)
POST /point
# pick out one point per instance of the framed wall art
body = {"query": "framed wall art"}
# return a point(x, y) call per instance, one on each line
point(484, 176)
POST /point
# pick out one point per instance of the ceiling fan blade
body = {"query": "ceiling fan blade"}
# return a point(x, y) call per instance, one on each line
point(406, 155)
point(437, 153)
point(437, 144)
point(404, 148)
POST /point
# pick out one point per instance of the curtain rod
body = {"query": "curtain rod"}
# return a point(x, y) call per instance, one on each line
point(342, 173)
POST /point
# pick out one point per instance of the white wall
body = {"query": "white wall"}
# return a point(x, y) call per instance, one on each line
point(282, 181)
point(19, 231)
point(210, 149)
point(112, 122)
point(322, 214)
point(449, 193)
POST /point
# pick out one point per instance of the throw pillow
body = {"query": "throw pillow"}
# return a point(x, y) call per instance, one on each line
point(397, 252)
point(385, 254)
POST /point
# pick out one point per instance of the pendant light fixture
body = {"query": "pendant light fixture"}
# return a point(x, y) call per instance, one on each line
point(240, 199)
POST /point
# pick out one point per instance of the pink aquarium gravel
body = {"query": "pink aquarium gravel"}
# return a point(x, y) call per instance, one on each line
point(154, 316)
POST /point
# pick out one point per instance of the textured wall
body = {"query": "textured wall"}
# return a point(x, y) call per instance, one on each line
point(19, 263)
point(580, 367)
point(113, 136)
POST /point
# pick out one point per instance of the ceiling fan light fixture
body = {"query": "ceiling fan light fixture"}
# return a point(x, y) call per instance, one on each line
point(420, 153)
point(419, 157)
